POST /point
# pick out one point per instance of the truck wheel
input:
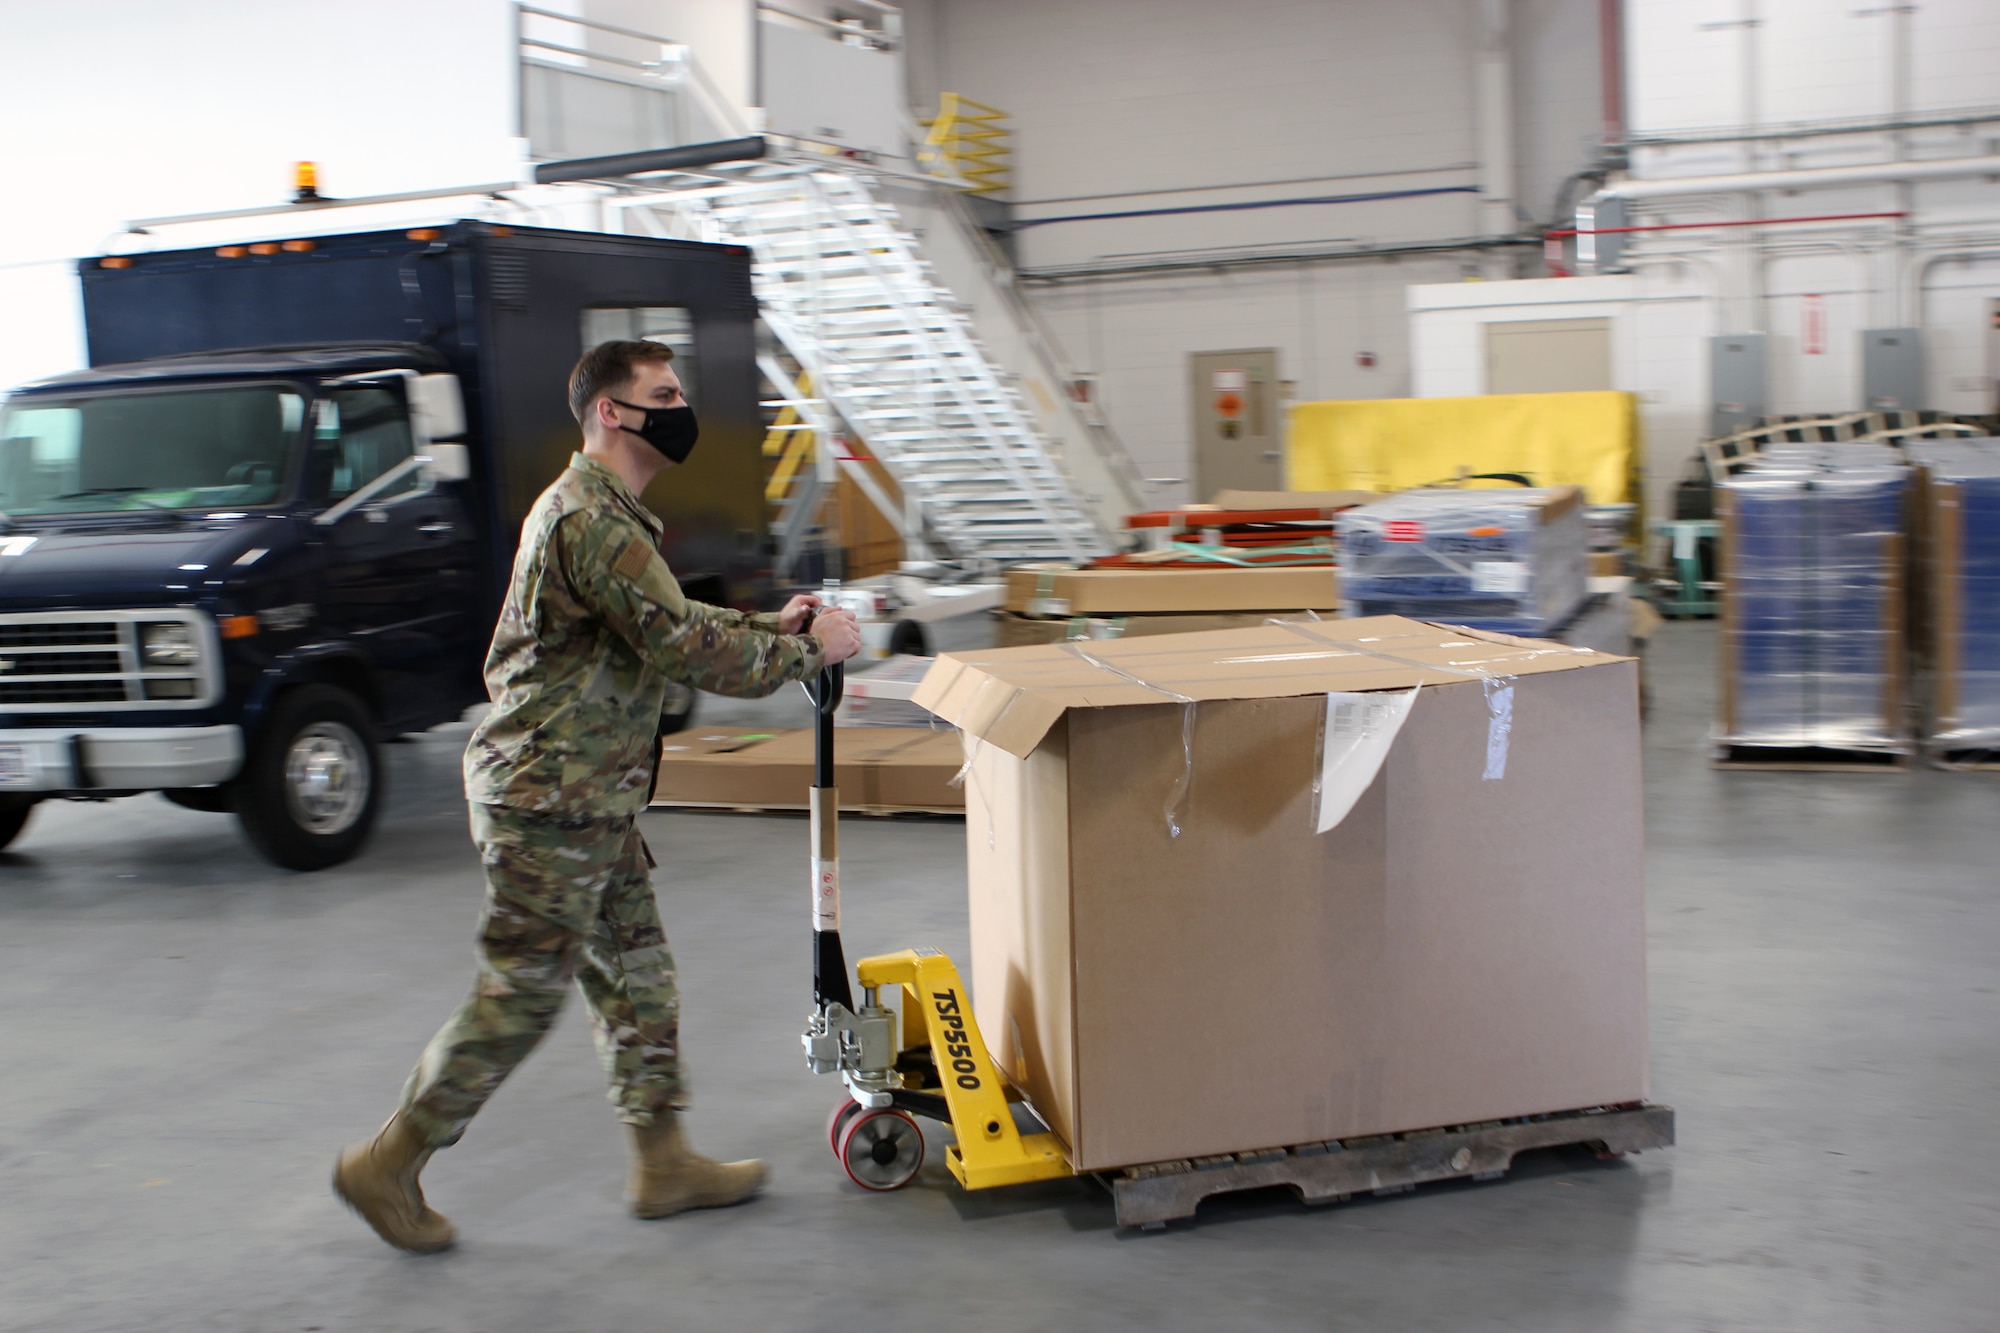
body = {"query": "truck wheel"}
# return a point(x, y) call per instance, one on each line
point(309, 792)
point(677, 710)
point(14, 812)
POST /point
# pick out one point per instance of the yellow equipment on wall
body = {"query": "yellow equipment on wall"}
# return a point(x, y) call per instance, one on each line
point(1398, 444)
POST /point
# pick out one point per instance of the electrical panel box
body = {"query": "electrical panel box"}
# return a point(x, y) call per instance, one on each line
point(1739, 386)
point(1892, 370)
point(1993, 354)
point(1600, 246)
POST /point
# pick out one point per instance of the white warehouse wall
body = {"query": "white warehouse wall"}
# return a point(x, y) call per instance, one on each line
point(1124, 106)
point(1718, 69)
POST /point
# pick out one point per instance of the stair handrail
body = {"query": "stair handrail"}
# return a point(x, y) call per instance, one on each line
point(1110, 449)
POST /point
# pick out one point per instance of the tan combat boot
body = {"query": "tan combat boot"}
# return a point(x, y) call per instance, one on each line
point(378, 1179)
point(668, 1177)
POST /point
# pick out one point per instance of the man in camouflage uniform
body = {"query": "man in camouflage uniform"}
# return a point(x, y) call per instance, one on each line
point(593, 630)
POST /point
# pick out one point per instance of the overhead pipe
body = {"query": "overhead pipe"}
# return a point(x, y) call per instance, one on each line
point(688, 156)
point(1873, 173)
point(1734, 222)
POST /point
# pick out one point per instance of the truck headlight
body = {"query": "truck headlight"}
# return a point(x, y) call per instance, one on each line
point(168, 644)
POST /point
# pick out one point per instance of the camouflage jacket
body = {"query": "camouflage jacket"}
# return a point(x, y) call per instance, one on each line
point(593, 629)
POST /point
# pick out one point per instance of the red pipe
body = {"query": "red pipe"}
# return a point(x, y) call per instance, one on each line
point(1748, 222)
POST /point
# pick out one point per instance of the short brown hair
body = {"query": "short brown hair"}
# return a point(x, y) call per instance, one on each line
point(608, 368)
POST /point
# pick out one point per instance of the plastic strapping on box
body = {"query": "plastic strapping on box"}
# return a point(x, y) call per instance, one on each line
point(973, 742)
point(1045, 603)
point(1499, 724)
point(1186, 783)
point(964, 775)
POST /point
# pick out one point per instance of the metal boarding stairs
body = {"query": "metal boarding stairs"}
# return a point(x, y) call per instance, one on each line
point(884, 350)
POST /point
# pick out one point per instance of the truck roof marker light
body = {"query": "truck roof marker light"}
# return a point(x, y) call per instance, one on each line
point(237, 627)
point(231, 251)
point(502, 231)
point(298, 247)
point(421, 234)
point(305, 183)
point(114, 261)
point(264, 248)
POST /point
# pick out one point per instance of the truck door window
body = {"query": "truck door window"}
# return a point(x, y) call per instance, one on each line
point(359, 434)
point(669, 324)
point(207, 448)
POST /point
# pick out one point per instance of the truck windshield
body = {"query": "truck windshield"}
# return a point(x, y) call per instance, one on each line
point(227, 447)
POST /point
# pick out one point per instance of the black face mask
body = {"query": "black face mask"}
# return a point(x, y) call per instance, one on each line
point(671, 430)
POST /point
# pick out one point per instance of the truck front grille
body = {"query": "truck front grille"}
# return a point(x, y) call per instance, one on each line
point(57, 634)
point(14, 692)
point(52, 661)
point(105, 662)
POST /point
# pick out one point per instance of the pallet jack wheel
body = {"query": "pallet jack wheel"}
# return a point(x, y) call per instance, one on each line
point(882, 1149)
point(844, 1110)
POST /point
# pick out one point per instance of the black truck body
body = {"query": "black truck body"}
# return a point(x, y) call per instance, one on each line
point(273, 522)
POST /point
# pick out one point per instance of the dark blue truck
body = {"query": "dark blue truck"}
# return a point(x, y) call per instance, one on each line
point(271, 525)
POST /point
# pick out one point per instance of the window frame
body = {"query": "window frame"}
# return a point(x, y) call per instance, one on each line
point(333, 509)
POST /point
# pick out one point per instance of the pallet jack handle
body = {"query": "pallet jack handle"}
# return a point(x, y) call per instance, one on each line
point(830, 982)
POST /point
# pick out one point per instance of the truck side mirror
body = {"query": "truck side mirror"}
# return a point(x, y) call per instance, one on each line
point(437, 408)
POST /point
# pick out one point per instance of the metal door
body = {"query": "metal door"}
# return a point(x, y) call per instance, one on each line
point(1238, 441)
point(400, 565)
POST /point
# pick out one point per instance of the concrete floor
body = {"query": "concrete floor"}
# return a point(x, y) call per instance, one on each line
point(188, 1036)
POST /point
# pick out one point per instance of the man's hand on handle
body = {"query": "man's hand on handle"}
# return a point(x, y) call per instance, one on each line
point(798, 613)
point(838, 632)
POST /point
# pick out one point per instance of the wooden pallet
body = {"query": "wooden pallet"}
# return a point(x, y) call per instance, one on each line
point(1149, 1197)
point(1812, 759)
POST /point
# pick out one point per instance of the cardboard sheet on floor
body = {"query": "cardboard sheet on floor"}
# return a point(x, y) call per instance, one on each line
point(876, 768)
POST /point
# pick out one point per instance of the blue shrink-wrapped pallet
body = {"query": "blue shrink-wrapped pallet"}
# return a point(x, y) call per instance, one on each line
point(1958, 612)
point(1515, 561)
point(1814, 565)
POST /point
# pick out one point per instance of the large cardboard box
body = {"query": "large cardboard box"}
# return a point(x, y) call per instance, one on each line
point(1060, 591)
point(1466, 943)
point(876, 768)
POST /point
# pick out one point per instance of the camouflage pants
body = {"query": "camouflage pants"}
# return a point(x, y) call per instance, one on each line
point(566, 900)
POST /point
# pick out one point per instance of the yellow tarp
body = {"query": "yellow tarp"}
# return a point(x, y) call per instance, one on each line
point(1397, 444)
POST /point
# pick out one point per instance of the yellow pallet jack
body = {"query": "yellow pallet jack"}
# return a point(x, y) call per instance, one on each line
point(923, 1057)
